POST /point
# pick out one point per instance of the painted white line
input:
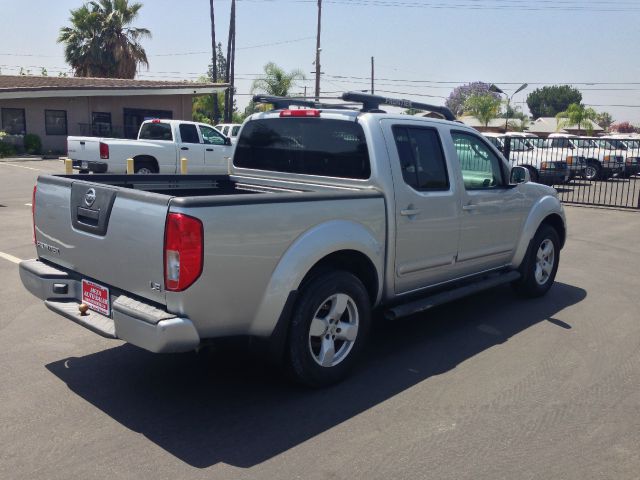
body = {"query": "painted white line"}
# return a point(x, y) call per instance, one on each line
point(11, 258)
point(20, 166)
point(28, 205)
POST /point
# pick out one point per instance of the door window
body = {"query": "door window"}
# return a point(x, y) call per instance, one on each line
point(481, 169)
point(189, 133)
point(211, 136)
point(421, 158)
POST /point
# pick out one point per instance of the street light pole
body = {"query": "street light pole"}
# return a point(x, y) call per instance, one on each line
point(318, 50)
point(520, 88)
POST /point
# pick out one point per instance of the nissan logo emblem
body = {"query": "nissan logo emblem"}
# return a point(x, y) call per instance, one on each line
point(90, 197)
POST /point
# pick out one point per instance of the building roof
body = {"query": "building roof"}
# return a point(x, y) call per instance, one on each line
point(472, 121)
point(27, 86)
point(550, 125)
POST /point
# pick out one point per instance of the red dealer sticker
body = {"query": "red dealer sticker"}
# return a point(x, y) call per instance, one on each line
point(96, 296)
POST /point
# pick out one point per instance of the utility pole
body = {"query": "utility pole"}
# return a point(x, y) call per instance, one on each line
point(318, 51)
point(372, 76)
point(214, 67)
point(233, 62)
point(228, 97)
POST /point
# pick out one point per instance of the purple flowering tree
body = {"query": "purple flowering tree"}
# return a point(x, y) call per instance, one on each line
point(459, 95)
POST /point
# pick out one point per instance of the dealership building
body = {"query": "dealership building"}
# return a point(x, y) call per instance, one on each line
point(54, 107)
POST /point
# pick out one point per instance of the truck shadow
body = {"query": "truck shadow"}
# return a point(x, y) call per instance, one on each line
point(227, 406)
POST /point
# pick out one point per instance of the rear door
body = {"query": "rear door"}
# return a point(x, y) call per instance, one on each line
point(190, 147)
point(112, 236)
point(426, 206)
point(216, 151)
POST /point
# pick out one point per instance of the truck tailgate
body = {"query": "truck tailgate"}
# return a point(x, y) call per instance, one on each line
point(83, 148)
point(111, 235)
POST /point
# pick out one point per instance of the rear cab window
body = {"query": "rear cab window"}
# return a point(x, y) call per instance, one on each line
point(156, 131)
point(310, 146)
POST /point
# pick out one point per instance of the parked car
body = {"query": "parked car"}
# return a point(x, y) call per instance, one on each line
point(549, 168)
point(230, 130)
point(364, 210)
point(629, 148)
point(160, 146)
point(600, 164)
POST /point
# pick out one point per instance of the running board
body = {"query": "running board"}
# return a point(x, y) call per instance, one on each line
point(426, 303)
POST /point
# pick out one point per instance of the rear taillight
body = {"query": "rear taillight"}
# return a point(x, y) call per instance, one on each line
point(33, 212)
point(183, 246)
point(308, 112)
point(104, 151)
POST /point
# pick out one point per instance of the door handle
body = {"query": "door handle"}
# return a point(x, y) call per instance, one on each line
point(470, 207)
point(184, 148)
point(209, 149)
point(409, 211)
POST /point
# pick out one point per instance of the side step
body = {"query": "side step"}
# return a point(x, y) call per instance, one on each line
point(426, 303)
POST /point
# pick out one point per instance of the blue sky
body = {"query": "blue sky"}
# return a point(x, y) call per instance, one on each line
point(415, 43)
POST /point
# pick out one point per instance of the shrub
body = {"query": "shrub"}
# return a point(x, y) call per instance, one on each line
point(6, 150)
point(32, 144)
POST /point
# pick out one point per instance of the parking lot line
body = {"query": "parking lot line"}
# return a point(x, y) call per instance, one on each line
point(11, 258)
point(20, 166)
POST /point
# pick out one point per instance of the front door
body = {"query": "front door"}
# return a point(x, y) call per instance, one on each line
point(492, 210)
point(427, 213)
point(190, 148)
point(217, 151)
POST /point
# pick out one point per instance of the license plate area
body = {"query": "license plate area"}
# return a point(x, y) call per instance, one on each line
point(96, 297)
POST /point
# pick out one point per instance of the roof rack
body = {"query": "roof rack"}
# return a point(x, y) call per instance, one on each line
point(280, 103)
point(371, 103)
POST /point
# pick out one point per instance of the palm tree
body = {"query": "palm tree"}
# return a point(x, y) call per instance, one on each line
point(484, 107)
point(577, 114)
point(101, 42)
point(276, 81)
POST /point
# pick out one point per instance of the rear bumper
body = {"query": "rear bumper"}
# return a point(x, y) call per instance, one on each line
point(95, 167)
point(136, 322)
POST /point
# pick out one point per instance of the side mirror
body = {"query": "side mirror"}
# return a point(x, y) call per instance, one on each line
point(519, 175)
point(227, 141)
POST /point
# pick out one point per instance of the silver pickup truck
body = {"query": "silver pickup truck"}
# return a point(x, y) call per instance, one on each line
point(329, 213)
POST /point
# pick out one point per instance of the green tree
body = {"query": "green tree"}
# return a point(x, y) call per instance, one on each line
point(484, 107)
point(577, 114)
point(101, 41)
point(551, 100)
point(276, 81)
point(604, 119)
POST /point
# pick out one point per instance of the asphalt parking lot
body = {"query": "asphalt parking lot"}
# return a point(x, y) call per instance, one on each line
point(490, 387)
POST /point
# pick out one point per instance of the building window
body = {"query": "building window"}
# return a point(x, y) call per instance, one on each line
point(55, 122)
point(101, 124)
point(13, 121)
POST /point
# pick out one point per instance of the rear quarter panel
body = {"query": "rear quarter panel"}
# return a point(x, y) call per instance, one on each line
point(255, 254)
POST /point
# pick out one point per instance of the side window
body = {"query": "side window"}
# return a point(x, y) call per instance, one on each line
point(421, 158)
point(481, 169)
point(235, 130)
point(211, 136)
point(189, 133)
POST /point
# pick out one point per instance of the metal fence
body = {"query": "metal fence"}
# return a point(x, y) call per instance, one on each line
point(584, 170)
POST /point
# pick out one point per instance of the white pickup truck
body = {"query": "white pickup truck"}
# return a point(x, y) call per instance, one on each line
point(159, 147)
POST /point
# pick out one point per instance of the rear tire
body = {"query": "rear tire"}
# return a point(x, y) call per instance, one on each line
point(540, 264)
point(145, 167)
point(329, 327)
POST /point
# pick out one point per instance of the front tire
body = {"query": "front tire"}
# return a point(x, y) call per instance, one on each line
point(593, 171)
point(329, 326)
point(540, 265)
